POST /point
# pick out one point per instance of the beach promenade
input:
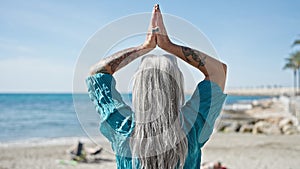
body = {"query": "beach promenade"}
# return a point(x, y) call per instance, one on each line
point(261, 91)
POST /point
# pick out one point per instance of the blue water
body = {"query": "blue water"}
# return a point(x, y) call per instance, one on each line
point(27, 116)
point(24, 116)
point(231, 99)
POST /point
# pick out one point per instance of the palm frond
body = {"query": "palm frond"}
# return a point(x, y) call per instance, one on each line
point(289, 66)
point(291, 62)
point(296, 42)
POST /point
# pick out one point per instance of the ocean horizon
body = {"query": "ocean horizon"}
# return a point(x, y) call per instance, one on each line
point(29, 116)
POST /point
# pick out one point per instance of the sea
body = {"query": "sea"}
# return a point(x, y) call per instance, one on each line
point(45, 116)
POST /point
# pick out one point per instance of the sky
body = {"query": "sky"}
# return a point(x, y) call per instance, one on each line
point(40, 41)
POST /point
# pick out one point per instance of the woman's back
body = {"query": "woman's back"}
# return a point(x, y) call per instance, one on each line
point(119, 125)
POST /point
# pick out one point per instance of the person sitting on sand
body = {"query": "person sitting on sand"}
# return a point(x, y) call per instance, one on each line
point(161, 130)
point(81, 153)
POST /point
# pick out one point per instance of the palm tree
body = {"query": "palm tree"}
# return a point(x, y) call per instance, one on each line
point(290, 64)
point(296, 57)
point(293, 62)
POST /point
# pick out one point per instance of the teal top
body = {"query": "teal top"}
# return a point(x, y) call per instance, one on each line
point(117, 119)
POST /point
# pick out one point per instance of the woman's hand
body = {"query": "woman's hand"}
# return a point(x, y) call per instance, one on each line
point(151, 41)
point(163, 40)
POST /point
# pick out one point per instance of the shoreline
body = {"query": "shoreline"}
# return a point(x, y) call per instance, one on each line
point(38, 141)
point(57, 141)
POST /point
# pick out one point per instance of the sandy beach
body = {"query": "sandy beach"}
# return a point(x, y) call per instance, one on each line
point(235, 150)
point(247, 151)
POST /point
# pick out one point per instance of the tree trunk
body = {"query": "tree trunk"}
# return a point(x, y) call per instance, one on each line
point(295, 82)
point(298, 80)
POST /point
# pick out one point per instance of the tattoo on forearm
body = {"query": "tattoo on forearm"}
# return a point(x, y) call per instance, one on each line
point(122, 58)
point(196, 55)
point(118, 60)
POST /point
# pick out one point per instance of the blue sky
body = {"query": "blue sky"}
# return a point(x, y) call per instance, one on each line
point(41, 40)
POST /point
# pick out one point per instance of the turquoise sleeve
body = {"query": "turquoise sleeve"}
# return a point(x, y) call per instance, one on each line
point(115, 115)
point(202, 110)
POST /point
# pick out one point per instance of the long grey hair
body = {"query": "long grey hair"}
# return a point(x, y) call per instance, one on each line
point(158, 140)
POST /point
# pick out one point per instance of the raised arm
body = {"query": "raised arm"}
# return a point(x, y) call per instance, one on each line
point(213, 69)
point(120, 59)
